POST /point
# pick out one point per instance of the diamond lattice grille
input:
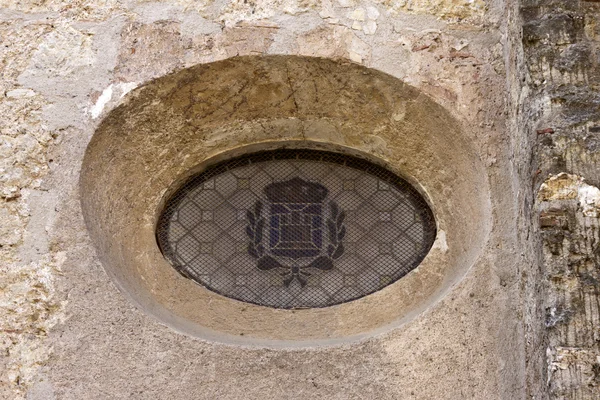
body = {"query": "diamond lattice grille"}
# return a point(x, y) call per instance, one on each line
point(296, 228)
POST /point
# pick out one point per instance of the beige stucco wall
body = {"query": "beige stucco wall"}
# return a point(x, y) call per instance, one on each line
point(69, 333)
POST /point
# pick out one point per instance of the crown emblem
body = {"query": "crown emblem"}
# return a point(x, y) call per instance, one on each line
point(296, 190)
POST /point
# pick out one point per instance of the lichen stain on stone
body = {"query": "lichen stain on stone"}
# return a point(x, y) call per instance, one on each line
point(446, 9)
point(245, 40)
point(23, 140)
point(150, 50)
point(82, 9)
point(28, 309)
point(23, 163)
point(339, 39)
point(254, 10)
point(63, 51)
point(570, 187)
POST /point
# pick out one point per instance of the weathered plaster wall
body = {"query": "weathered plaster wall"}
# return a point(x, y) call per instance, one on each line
point(68, 333)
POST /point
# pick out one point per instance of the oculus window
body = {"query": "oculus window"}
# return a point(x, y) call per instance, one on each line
point(295, 229)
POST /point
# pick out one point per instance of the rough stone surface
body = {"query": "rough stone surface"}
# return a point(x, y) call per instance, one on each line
point(520, 77)
point(560, 41)
point(569, 224)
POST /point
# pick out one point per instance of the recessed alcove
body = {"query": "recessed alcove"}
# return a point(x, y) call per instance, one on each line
point(176, 126)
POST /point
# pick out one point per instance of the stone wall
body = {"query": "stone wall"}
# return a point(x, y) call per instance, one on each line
point(520, 77)
point(560, 40)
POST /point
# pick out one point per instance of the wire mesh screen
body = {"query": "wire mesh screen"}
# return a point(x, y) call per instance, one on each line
point(295, 228)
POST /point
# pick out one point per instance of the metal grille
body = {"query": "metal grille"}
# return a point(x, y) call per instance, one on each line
point(295, 228)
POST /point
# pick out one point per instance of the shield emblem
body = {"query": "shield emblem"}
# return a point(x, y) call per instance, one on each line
point(296, 229)
point(295, 218)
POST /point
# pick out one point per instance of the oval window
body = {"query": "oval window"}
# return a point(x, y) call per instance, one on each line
point(295, 229)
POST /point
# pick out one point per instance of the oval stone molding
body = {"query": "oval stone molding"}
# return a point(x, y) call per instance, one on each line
point(175, 126)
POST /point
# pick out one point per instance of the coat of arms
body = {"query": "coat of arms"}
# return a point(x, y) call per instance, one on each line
point(304, 232)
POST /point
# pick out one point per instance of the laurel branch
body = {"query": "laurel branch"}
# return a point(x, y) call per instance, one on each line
point(254, 230)
point(337, 231)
